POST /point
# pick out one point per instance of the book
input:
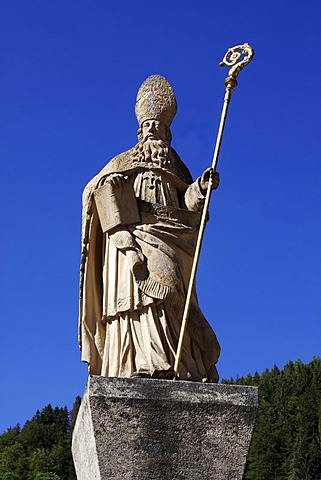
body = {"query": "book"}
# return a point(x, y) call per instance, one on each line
point(116, 206)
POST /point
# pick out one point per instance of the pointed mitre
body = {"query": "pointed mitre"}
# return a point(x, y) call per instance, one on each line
point(156, 100)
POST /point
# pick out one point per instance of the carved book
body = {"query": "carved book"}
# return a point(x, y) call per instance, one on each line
point(116, 206)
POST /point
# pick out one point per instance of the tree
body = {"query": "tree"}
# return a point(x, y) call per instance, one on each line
point(9, 476)
point(286, 440)
point(47, 476)
point(13, 460)
point(41, 448)
point(74, 411)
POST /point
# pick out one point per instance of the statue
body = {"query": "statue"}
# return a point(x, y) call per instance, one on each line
point(141, 215)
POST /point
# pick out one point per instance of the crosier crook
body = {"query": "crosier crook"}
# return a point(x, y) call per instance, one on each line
point(231, 59)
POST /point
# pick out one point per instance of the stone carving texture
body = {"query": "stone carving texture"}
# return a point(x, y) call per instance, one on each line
point(137, 252)
point(156, 100)
point(155, 430)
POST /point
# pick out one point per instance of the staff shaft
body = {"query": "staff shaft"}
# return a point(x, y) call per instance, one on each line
point(236, 58)
point(187, 306)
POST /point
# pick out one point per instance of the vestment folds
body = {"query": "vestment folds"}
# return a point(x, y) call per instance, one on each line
point(134, 279)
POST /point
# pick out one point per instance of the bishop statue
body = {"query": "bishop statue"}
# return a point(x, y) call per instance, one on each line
point(141, 215)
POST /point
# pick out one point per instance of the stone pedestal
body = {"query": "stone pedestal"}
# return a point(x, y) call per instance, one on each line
point(158, 429)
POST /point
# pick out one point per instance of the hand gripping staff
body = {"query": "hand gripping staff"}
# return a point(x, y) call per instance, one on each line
point(233, 58)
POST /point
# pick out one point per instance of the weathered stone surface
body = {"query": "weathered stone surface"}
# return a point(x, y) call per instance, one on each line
point(141, 219)
point(158, 429)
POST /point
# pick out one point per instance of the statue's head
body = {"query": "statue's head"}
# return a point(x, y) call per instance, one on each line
point(155, 109)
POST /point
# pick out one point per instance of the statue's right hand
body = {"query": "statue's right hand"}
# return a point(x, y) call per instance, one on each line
point(117, 180)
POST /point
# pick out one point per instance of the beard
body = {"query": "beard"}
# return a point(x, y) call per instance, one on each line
point(156, 152)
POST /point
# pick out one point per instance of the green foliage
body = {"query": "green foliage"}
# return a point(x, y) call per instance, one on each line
point(46, 476)
point(9, 438)
point(13, 460)
point(9, 476)
point(74, 411)
point(286, 443)
point(41, 449)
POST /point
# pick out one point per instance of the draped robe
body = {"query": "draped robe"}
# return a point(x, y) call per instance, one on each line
point(134, 279)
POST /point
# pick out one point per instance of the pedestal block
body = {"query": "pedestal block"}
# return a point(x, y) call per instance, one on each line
point(148, 429)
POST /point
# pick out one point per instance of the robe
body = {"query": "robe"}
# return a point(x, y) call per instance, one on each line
point(134, 278)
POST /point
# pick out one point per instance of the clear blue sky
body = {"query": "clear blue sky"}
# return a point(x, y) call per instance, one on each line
point(70, 73)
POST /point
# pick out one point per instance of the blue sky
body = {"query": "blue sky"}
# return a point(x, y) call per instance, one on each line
point(70, 73)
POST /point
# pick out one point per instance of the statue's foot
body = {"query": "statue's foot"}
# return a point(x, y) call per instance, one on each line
point(140, 375)
point(164, 374)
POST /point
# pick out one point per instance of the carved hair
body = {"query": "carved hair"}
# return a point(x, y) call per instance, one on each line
point(156, 151)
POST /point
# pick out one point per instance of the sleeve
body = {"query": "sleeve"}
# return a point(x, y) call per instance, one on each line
point(193, 198)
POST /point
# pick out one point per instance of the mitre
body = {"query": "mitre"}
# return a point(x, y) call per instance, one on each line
point(156, 100)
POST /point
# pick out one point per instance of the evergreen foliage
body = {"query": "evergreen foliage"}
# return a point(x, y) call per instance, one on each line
point(286, 443)
point(41, 449)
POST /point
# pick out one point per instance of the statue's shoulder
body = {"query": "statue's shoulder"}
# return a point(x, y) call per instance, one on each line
point(119, 164)
point(125, 163)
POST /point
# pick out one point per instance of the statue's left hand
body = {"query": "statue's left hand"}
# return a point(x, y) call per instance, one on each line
point(205, 179)
point(117, 180)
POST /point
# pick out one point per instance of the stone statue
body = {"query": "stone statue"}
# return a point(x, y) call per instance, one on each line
point(140, 221)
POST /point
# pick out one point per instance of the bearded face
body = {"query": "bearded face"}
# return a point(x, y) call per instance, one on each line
point(155, 151)
point(154, 130)
point(154, 142)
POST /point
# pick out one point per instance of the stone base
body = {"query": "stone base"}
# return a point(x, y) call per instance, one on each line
point(160, 429)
